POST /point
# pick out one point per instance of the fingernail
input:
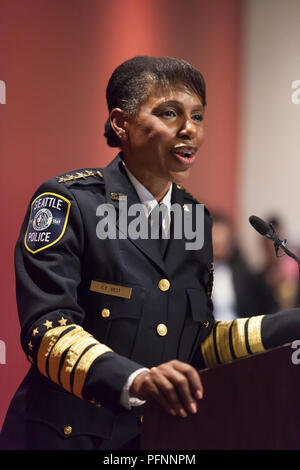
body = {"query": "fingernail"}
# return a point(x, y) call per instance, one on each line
point(199, 394)
point(182, 413)
point(193, 407)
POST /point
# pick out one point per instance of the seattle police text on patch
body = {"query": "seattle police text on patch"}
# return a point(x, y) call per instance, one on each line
point(48, 220)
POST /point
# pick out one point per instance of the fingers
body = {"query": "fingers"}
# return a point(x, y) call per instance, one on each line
point(193, 378)
point(168, 393)
point(151, 390)
point(175, 385)
point(180, 384)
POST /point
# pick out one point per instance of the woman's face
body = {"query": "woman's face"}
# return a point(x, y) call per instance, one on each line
point(163, 138)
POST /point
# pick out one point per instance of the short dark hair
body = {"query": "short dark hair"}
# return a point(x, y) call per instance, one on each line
point(129, 84)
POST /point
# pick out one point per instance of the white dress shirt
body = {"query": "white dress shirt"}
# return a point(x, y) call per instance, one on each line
point(149, 202)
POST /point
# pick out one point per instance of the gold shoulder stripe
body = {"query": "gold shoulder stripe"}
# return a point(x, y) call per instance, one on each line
point(84, 365)
point(79, 175)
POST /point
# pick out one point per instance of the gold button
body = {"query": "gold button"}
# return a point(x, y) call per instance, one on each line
point(105, 312)
point(164, 284)
point(141, 419)
point(206, 324)
point(161, 329)
point(68, 430)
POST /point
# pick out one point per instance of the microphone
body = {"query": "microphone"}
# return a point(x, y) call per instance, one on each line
point(267, 230)
point(264, 228)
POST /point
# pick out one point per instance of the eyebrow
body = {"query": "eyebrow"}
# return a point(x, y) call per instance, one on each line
point(199, 107)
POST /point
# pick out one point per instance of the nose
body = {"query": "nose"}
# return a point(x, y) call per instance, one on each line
point(187, 130)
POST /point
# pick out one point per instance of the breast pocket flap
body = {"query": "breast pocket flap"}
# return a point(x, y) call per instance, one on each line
point(198, 304)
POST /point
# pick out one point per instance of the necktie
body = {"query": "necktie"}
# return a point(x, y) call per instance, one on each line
point(157, 232)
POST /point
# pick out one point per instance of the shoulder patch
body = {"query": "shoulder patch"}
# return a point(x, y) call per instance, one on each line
point(47, 222)
point(82, 174)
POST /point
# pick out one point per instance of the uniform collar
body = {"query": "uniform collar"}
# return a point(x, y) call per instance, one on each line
point(146, 198)
point(119, 184)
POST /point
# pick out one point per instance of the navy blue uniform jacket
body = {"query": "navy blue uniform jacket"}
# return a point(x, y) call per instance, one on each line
point(93, 311)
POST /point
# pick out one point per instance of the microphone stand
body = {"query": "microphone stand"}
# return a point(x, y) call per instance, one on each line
point(282, 244)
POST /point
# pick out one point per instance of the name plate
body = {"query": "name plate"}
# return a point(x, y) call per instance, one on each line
point(111, 289)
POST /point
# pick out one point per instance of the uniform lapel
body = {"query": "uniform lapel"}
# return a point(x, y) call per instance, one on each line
point(176, 247)
point(118, 186)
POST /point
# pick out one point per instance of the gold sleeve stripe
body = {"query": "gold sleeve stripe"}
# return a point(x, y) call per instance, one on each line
point(47, 343)
point(239, 337)
point(60, 347)
point(84, 365)
point(71, 358)
point(222, 341)
point(208, 350)
point(254, 334)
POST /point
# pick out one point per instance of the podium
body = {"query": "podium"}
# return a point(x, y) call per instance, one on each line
point(251, 403)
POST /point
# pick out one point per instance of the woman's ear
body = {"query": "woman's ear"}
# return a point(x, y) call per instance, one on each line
point(119, 123)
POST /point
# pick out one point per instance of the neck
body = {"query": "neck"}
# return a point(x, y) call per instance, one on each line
point(156, 186)
point(161, 195)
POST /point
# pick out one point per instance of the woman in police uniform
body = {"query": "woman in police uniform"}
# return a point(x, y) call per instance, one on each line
point(109, 322)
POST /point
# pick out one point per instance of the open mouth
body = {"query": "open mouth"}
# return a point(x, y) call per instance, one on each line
point(185, 154)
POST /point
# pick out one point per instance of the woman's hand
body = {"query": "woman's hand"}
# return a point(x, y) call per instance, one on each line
point(175, 385)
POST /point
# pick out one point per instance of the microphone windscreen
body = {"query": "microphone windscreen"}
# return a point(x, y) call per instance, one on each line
point(260, 225)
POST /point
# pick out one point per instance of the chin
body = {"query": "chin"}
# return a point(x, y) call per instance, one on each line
point(180, 176)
